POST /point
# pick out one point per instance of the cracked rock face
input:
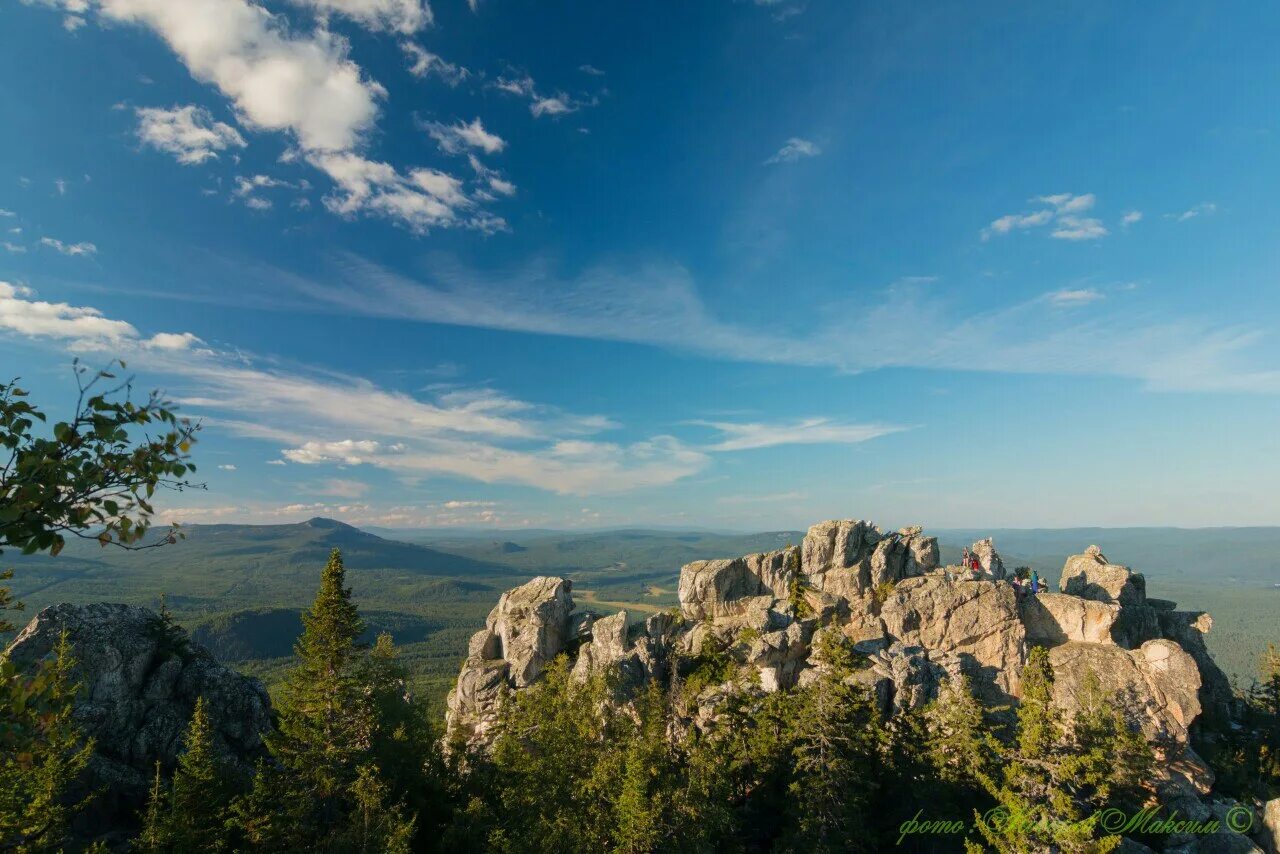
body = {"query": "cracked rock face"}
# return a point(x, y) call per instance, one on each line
point(849, 558)
point(1158, 684)
point(977, 620)
point(139, 687)
point(529, 626)
point(1054, 618)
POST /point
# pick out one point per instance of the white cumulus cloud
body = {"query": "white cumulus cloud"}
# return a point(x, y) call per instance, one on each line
point(456, 138)
point(795, 149)
point(401, 16)
point(189, 133)
point(73, 249)
point(424, 63)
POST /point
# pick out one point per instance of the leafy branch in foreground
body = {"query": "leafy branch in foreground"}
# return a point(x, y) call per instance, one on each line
point(95, 476)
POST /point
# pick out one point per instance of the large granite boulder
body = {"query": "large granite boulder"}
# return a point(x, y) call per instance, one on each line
point(977, 620)
point(909, 677)
point(779, 656)
point(1187, 629)
point(836, 556)
point(140, 678)
point(1157, 684)
point(1054, 618)
point(1092, 576)
point(531, 626)
point(713, 589)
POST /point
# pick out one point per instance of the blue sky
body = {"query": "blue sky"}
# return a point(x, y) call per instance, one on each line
point(731, 264)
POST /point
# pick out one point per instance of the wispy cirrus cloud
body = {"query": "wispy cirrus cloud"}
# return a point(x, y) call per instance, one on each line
point(1075, 296)
point(540, 104)
point(808, 431)
point(72, 249)
point(658, 304)
point(325, 419)
point(399, 16)
point(460, 136)
point(1202, 209)
point(424, 63)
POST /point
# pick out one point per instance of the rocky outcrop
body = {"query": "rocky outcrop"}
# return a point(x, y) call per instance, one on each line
point(906, 677)
point(140, 678)
point(915, 625)
point(1091, 576)
point(713, 589)
point(1188, 629)
point(847, 559)
point(1158, 685)
point(528, 627)
point(1054, 618)
point(977, 620)
point(988, 558)
point(779, 656)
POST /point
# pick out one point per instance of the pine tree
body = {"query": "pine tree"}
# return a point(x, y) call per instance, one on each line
point(375, 823)
point(403, 743)
point(959, 743)
point(1048, 775)
point(643, 816)
point(200, 788)
point(42, 753)
point(155, 836)
point(192, 813)
point(325, 722)
point(838, 747)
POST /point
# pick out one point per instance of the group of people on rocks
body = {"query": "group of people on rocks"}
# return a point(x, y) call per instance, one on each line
point(1026, 581)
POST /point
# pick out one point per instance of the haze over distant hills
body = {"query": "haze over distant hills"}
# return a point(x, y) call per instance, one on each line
point(240, 587)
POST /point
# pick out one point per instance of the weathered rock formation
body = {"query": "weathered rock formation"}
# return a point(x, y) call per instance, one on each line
point(1158, 684)
point(140, 680)
point(1054, 618)
point(917, 625)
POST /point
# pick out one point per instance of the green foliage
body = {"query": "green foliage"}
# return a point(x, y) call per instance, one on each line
point(192, 814)
point(883, 591)
point(1246, 758)
point(42, 753)
point(92, 478)
point(837, 746)
point(796, 588)
point(713, 665)
point(353, 748)
point(1058, 774)
point(325, 724)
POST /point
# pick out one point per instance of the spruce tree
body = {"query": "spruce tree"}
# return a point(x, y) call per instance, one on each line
point(155, 836)
point(325, 723)
point(838, 741)
point(643, 815)
point(192, 813)
point(200, 788)
point(42, 753)
point(1047, 776)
